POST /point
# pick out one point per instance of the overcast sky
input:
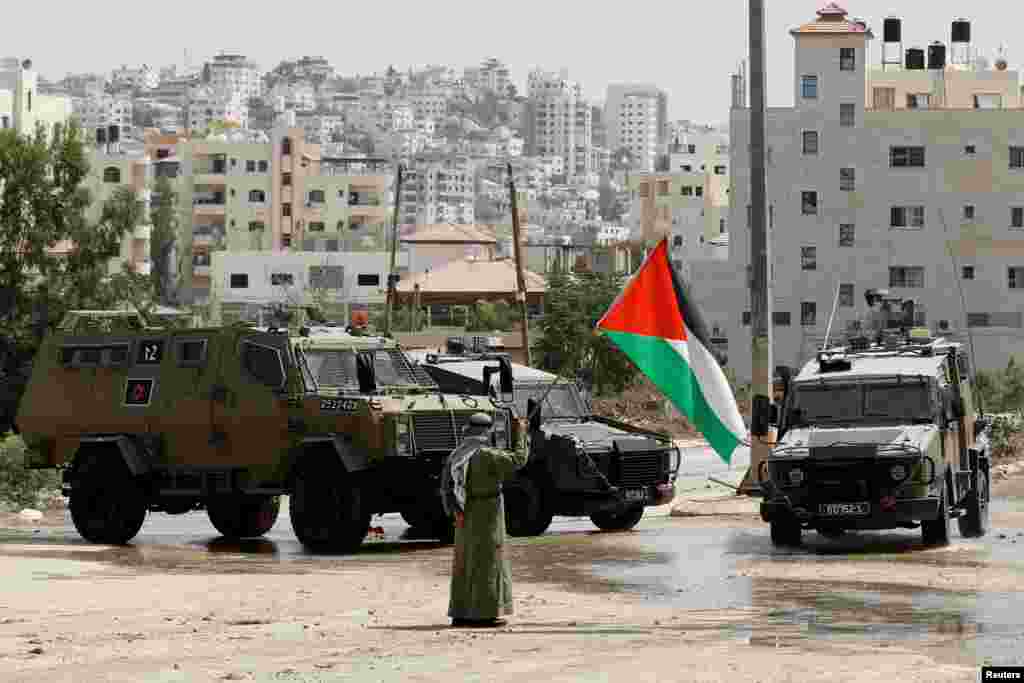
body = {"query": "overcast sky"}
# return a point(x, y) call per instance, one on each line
point(687, 48)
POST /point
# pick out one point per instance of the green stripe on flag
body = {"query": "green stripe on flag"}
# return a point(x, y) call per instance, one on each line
point(670, 372)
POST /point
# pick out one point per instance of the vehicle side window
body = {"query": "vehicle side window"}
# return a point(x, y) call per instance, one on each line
point(114, 355)
point(191, 353)
point(263, 364)
point(961, 359)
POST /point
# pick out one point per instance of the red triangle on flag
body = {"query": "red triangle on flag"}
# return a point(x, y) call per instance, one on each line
point(648, 305)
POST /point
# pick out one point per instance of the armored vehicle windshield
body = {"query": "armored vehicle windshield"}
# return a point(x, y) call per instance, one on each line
point(561, 402)
point(910, 400)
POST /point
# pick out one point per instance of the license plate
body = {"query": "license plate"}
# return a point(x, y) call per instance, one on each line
point(840, 509)
point(635, 494)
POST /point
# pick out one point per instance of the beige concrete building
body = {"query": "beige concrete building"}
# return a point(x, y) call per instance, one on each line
point(559, 121)
point(21, 105)
point(635, 117)
point(231, 74)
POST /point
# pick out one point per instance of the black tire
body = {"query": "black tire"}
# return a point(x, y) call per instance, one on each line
point(936, 532)
point(785, 533)
point(245, 517)
point(108, 505)
point(431, 519)
point(327, 507)
point(975, 520)
point(526, 510)
point(618, 520)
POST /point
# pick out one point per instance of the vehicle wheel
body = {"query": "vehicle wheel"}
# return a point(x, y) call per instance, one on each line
point(247, 517)
point(935, 532)
point(785, 533)
point(107, 503)
point(974, 522)
point(618, 520)
point(433, 521)
point(326, 506)
point(526, 511)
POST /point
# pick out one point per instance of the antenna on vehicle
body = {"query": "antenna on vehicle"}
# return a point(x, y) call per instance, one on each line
point(828, 329)
point(963, 309)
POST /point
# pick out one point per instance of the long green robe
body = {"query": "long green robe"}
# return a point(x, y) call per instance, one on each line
point(481, 585)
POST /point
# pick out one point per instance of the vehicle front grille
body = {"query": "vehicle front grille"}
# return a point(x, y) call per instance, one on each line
point(434, 431)
point(845, 483)
point(636, 470)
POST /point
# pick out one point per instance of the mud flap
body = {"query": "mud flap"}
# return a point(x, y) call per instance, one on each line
point(132, 456)
point(350, 458)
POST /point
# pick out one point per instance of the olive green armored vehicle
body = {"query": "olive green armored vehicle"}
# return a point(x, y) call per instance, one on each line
point(427, 423)
point(228, 419)
point(880, 433)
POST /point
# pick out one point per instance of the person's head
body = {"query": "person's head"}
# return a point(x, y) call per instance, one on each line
point(479, 425)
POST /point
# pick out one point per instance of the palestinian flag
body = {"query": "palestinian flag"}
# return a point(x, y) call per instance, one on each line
point(660, 329)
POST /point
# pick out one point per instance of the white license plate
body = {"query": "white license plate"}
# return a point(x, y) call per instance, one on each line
point(839, 509)
point(635, 494)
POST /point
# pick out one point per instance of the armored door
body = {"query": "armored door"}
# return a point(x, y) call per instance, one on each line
point(184, 393)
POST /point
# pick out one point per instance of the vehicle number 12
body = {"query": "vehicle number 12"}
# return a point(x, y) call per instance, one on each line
point(340, 405)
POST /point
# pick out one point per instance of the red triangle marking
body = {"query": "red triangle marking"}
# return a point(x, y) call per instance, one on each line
point(648, 305)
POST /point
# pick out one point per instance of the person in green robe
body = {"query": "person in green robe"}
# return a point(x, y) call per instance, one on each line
point(481, 588)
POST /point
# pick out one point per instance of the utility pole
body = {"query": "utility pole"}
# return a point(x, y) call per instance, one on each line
point(520, 279)
point(392, 276)
point(760, 252)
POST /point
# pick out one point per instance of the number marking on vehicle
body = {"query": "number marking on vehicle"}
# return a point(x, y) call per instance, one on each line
point(840, 509)
point(339, 405)
point(635, 494)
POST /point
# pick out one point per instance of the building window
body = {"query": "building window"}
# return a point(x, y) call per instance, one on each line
point(746, 317)
point(286, 146)
point(847, 115)
point(286, 241)
point(846, 295)
point(810, 140)
point(847, 179)
point(677, 241)
point(884, 99)
point(111, 174)
point(316, 197)
point(263, 166)
point(808, 313)
point(967, 272)
point(809, 203)
point(903, 157)
point(917, 101)
point(968, 212)
point(698, 191)
point(1017, 157)
point(721, 226)
point(906, 217)
point(719, 170)
point(808, 258)
point(809, 87)
point(281, 279)
point(256, 226)
point(906, 276)
point(257, 196)
point(662, 188)
point(250, 166)
point(969, 150)
point(286, 179)
point(1015, 277)
point(239, 280)
point(286, 209)
point(781, 318)
point(1017, 216)
point(340, 225)
point(847, 59)
point(368, 280)
point(686, 191)
point(316, 226)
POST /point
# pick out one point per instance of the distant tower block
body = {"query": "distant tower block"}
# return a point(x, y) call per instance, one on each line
point(892, 43)
point(960, 44)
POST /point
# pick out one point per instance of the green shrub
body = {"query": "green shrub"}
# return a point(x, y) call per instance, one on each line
point(21, 487)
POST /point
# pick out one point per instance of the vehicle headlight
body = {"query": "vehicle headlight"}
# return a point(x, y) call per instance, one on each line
point(403, 437)
point(796, 476)
point(898, 473)
point(501, 430)
point(674, 459)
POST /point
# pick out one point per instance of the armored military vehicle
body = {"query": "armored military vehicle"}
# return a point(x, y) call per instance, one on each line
point(427, 422)
point(227, 419)
point(580, 464)
point(879, 433)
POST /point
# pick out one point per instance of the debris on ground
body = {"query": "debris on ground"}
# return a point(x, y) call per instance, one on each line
point(644, 406)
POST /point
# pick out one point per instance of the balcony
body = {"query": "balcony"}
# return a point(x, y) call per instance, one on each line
point(211, 171)
point(209, 204)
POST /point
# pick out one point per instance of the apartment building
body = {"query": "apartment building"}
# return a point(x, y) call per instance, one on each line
point(246, 191)
point(559, 121)
point(140, 78)
point(439, 189)
point(299, 96)
point(104, 111)
point(909, 178)
point(636, 118)
point(207, 105)
point(492, 74)
point(21, 105)
point(228, 73)
point(319, 127)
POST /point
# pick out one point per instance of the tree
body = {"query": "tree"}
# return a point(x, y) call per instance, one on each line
point(568, 345)
point(162, 241)
point(486, 316)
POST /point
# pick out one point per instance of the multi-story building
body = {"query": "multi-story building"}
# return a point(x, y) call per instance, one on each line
point(206, 105)
point(105, 111)
point(313, 68)
point(491, 75)
point(21, 106)
point(636, 118)
point(319, 128)
point(299, 96)
point(909, 178)
point(438, 189)
point(559, 121)
point(174, 91)
point(252, 193)
point(142, 78)
point(234, 74)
